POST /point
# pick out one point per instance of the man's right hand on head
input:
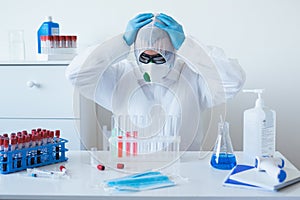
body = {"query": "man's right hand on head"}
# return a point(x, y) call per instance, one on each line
point(134, 25)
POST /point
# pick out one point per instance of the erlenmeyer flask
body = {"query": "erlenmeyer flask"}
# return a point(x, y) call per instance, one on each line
point(223, 156)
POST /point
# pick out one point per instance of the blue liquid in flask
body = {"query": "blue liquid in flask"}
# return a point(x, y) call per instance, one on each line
point(224, 161)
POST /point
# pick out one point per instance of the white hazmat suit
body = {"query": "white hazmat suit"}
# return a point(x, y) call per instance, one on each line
point(194, 77)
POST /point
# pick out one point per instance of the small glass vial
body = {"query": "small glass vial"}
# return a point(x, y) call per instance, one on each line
point(223, 156)
point(93, 157)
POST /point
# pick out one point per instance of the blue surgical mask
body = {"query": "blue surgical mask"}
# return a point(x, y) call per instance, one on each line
point(139, 182)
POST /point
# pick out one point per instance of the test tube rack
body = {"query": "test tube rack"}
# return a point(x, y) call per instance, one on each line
point(156, 153)
point(18, 160)
point(157, 148)
point(58, 47)
point(142, 149)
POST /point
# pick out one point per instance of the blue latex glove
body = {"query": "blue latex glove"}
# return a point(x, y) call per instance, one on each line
point(173, 29)
point(134, 25)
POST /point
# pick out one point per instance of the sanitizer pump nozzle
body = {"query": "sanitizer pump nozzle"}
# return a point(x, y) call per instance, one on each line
point(259, 102)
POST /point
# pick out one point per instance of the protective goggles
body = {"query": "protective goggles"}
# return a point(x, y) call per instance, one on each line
point(157, 58)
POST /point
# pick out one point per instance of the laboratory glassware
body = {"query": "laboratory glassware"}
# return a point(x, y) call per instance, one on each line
point(223, 156)
point(16, 45)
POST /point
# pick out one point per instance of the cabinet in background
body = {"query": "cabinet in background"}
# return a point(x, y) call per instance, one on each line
point(37, 95)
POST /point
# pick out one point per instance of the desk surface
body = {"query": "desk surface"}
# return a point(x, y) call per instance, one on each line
point(202, 181)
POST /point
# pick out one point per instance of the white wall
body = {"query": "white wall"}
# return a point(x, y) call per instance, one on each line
point(263, 34)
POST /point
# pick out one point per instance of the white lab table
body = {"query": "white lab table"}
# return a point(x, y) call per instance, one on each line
point(201, 182)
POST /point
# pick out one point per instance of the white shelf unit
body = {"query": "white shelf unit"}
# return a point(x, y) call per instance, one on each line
point(37, 95)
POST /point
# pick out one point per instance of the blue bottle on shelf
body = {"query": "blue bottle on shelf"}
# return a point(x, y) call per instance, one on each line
point(47, 28)
point(223, 156)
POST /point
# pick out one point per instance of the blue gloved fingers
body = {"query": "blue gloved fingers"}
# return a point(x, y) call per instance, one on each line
point(170, 22)
point(166, 19)
point(161, 26)
point(134, 25)
point(166, 16)
point(139, 21)
point(142, 17)
point(172, 27)
point(143, 23)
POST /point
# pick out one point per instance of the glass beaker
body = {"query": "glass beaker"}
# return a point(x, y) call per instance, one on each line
point(223, 156)
point(16, 45)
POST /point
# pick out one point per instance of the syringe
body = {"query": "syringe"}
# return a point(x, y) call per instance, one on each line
point(35, 172)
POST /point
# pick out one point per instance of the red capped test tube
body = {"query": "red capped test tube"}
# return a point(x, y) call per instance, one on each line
point(51, 44)
point(33, 140)
point(27, 141)
point(45, 44)
point(39, 143)
point(68, 41)
point(6, 145)
point(44, 137)
point(74, 41)
point(39, 138)
point(44, 134)
point(62, 41)
point(55, 41)
point(27, 144)
point(30, 139)
point(1, 148)
point(1, 143)
point(57, 135)
point(51, 137)
point(13, 135)
point(24, 132)
point(13, 142)
point(20, 142)
point(20, 146)
point(33, 131)
point(33, 152)
point(48, 136)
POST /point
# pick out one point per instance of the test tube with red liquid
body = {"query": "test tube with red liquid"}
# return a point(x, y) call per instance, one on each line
point(120, 145)
point(128, 143)
point(135, 145)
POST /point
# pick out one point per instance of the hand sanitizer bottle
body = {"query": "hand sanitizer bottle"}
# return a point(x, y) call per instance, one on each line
point(259, 130)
